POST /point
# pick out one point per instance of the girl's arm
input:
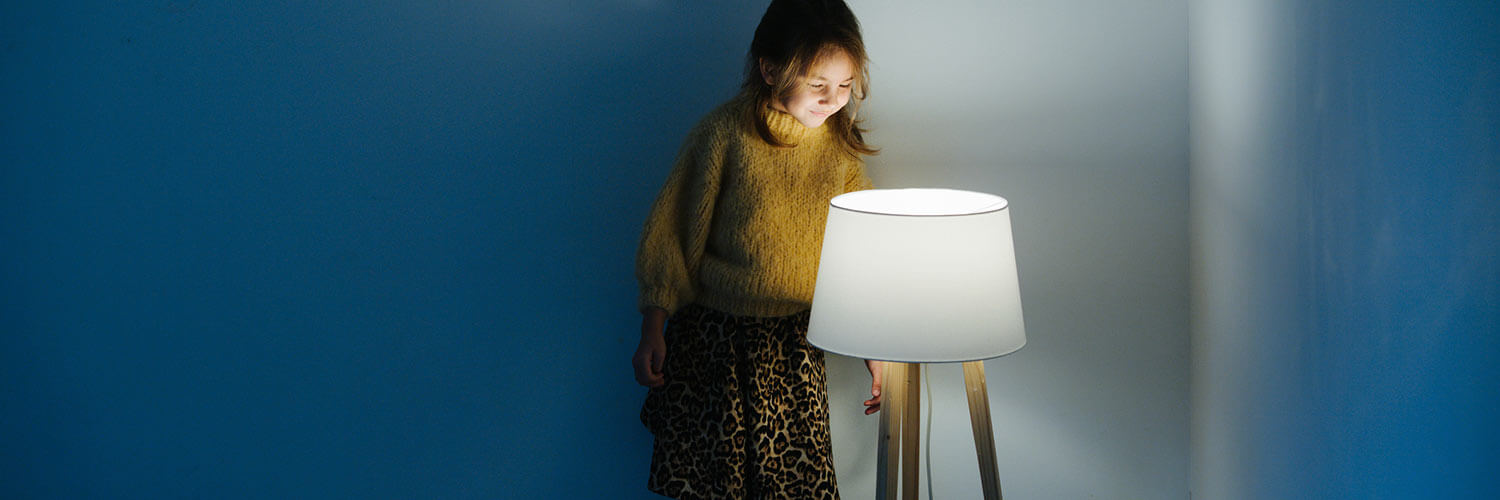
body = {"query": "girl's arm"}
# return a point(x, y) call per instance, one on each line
point(652, 350)
point(674, 240)
point(676, 232)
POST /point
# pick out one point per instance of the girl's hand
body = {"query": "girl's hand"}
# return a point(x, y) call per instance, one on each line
point(876, 368)
point(652, 350)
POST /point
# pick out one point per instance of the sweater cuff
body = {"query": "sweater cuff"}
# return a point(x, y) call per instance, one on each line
point(659, 297)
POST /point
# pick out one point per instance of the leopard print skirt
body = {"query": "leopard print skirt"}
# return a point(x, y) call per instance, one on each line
point(743, 413)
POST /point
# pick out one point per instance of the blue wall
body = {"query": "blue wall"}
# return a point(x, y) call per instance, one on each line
point(1346, 172)
point(334, 249)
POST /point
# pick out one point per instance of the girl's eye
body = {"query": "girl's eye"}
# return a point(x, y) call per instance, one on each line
point(816, 85)
point(845, 86)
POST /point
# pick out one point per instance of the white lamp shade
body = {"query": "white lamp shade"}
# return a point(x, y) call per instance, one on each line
point(917, 275)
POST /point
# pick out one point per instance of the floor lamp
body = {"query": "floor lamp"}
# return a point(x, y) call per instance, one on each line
point(913, 276)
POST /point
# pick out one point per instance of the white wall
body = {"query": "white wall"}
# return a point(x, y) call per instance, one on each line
point(1345, 228)
point(1076, 111)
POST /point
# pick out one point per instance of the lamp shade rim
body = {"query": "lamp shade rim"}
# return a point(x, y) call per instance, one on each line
point(900, 359)
point(852, 202)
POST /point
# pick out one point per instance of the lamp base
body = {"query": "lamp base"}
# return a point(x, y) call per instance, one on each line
point(900, 420)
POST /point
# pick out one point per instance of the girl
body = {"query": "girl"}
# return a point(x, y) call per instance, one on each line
point(738, 404)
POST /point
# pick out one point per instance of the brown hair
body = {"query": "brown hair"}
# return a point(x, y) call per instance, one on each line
point(790, 38)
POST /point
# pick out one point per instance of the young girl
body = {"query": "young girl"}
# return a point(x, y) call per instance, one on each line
point(738, 403)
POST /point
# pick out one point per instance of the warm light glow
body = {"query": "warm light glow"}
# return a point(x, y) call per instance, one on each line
point(919, 202)
point(918, 275)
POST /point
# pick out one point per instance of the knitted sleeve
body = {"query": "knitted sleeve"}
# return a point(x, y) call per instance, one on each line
point(676, 231)
point(857, 179)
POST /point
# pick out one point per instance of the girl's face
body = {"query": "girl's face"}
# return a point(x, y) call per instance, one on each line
point(823, 91)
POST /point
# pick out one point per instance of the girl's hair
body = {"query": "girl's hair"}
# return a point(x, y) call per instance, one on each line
point(790, 38)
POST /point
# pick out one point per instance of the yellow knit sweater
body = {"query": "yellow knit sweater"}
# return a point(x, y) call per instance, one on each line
point(739, 223)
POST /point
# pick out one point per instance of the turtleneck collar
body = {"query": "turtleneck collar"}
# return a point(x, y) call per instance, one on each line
point(787, 128)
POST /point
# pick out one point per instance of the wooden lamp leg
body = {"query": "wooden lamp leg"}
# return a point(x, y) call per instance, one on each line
point(900, 416)
point(911, 400)
point(900, 436)
point(889, 453)
point(984, 433)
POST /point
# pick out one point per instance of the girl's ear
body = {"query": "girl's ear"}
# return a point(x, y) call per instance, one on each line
point(765, 71)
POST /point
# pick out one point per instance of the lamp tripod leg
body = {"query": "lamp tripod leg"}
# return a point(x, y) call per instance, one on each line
point(911, 398)
point(899, 432)
point(888, 455)
point(984, 433)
